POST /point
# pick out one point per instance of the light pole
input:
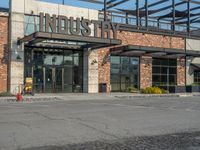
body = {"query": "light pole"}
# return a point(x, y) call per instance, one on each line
point(63, 2)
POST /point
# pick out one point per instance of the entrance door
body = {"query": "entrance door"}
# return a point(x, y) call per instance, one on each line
point(53, 79)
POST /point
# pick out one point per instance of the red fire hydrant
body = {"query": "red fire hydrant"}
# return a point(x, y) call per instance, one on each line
point(19, 97)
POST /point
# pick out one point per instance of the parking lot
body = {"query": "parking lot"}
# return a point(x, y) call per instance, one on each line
point(108, 123)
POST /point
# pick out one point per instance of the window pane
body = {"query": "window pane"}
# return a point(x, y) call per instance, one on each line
point(134, 61)
point(115, 78)
point(172, 62)
point(115, 60)
point(172, 70)
point(124, 60)
point(156, 78)
point(68, 57)
point(125, 69)
point(156, 62)
point(164, 70)
point(38, 58)
point(115, 69)
point(164, 62)
point(115, 87)
point(156, 70)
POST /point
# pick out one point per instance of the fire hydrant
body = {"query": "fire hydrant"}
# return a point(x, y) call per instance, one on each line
point(19, 97)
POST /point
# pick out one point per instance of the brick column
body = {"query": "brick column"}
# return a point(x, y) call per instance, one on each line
point(3, 53)
point(104, 67)
point(180, 72)
point(145, 72)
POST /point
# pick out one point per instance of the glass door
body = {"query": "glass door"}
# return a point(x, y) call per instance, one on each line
point(53, 79)
point(58, 79)
point(49, 80)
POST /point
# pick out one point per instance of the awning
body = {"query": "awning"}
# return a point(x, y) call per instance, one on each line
point(62, 40)
point(134, 50)
point(196, 66)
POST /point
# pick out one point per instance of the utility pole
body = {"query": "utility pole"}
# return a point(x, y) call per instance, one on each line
point(63, 2)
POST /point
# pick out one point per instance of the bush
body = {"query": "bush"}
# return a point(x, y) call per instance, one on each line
point(153, 90)
point(6, 94)
point(132, 89)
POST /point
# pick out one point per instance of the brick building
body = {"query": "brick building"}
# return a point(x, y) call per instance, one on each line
point(87, 50)
point(3, 49)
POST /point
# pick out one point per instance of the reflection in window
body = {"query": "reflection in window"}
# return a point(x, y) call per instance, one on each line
point(197, 77)
point(164, 72)
point(68, 63)
point(124, 72)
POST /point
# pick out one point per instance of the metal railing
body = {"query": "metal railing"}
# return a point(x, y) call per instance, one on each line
point(155, 25)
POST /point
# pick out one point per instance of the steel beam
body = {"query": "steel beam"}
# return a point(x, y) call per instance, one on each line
point(137, 13)
point(154, 4)
point(105, 10)
point(146, 13)
point(118, 3)
point(174, 15)
point(188, 18)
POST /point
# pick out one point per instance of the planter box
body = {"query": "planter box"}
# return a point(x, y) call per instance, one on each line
point(174, 89)
point(191, 89)
point(180, 89)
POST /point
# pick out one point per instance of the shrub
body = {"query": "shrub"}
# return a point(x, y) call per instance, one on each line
point(153, 90)
point(132, 89)
point(6, 94)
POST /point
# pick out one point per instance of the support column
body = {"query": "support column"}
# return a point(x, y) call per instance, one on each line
point(90, 71)
point(16, 52)
point(189, 71)
point(181, 72)
point(145, 72)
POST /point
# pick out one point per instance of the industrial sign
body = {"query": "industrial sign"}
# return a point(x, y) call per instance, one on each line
point(64, 25)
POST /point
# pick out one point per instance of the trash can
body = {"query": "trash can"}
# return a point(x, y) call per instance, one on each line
point(102, 87)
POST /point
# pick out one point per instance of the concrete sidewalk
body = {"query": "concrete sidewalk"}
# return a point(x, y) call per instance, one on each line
point(86, 96)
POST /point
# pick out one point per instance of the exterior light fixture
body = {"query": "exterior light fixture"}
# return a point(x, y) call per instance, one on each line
point(94, 62)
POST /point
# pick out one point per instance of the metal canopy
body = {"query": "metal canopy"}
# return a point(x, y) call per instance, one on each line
point(152, 51)
point(43, 38)
point(196, 66)
point(169, 15)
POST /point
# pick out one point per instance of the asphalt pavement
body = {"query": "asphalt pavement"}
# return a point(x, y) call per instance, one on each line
point(110, 123)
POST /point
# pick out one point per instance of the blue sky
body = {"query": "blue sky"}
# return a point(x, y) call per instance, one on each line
point(4, 3)
point(127, 5)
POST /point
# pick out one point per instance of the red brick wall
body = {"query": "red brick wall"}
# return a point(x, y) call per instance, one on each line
point(104, 67)
point(3, 52)
point(146, 65)
point(145, 72)
point(151, 40)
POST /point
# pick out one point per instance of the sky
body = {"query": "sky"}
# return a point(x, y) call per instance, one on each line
point(128, 5)
point(4, 3)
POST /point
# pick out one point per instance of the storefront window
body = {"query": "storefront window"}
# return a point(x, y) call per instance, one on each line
point(55, 70)
point(164, 72)
point(124, 73)
point(197, 77)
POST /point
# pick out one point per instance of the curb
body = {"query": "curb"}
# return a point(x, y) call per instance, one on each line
point(145, 96)
point(29, 99)
point(159, 95)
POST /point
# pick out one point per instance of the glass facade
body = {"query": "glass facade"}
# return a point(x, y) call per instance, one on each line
point(124, 73)
point(197, 77)
point(54, 70)
point(164, 72)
